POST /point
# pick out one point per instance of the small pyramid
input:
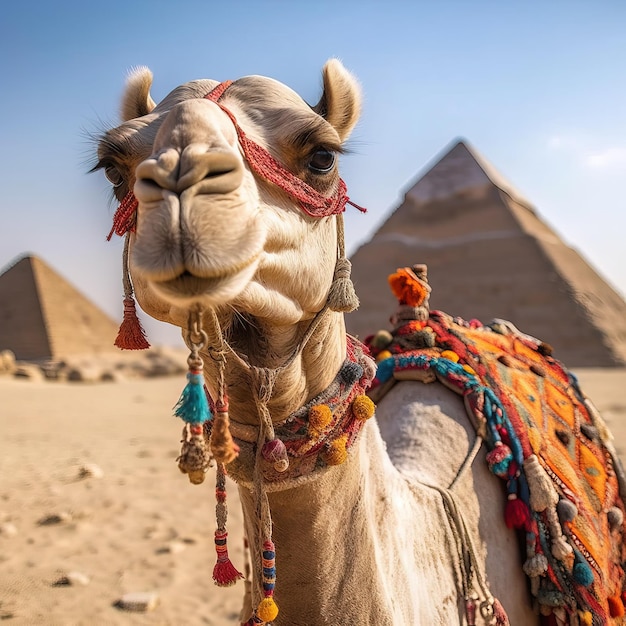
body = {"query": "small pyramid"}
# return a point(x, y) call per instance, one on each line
point(490, 255)
point(42, 316)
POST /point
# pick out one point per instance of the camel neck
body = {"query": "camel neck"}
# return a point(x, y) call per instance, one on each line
point(319, 528)
point(335, 538)
point(306, 375)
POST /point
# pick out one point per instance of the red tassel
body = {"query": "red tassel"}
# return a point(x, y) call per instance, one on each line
point(616, 606)
point(502, 619)
point(550, 620)
point(516, 513)
point(125, 216)
point(224, 572)
point(470, 611)
point(131, 335)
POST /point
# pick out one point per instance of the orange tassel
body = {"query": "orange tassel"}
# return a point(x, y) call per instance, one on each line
point(616, 606)
point(131, 336)
point(223, 448)
point(408, 288)
point(363, 407)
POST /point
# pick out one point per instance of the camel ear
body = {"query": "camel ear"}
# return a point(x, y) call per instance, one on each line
point(340, 104)
point(136, 101)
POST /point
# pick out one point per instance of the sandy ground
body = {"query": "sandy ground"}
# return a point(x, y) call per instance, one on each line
point(139, 527)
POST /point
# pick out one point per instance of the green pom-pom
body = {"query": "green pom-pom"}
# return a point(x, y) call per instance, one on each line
point(381, 339)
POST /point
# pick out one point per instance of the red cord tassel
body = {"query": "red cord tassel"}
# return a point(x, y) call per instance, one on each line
point(502, 619)
point(516, 513)
point(131, 336)
point(224, 572)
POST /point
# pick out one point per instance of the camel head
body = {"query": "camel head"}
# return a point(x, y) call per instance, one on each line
point(210, 226)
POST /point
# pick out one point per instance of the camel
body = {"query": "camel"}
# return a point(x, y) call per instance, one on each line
point(231, 204)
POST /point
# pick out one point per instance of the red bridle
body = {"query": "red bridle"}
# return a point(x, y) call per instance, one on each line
point(264, 165)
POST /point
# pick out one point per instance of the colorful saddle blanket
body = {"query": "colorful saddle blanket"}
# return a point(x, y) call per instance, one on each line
point(545, 439)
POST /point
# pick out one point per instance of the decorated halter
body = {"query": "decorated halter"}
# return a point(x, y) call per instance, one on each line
point(317, 436)
point(342, 297)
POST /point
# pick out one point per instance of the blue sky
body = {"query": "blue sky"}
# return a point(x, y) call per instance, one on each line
point(539, 88)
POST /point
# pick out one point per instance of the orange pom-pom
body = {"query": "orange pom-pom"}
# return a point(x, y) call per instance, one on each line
point(408, 288)
point(320, 417)
point(267, 610)
point(363, 407)
point(336, 453)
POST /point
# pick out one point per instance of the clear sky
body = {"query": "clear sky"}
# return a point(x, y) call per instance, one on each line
point(539, 88)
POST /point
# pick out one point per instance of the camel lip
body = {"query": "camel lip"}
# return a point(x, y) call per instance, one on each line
point(187, 285)
point(191, 287)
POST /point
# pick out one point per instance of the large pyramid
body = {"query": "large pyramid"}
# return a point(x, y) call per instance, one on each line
point(42, 316)
point(490, 255)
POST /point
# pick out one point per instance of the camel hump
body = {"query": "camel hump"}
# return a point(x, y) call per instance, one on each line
point(546, 441)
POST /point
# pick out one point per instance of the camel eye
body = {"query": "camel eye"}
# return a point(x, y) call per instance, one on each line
point(322, 161)
point(113, 175)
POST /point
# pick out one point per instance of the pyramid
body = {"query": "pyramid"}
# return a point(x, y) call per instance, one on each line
point(42, 316)
point(490, 255)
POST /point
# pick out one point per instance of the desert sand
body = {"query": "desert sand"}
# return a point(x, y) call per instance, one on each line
point(139, 526)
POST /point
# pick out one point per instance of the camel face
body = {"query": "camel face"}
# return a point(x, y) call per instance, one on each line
point(199, 237)
point(210, 229)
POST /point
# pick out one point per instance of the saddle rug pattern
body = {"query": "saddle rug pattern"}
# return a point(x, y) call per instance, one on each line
point(545, 439)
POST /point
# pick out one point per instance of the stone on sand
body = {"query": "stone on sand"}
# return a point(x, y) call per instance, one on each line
point(72, 579)
point(7, 529)
point(139, 601)
point(90, 470)
point(55, 518)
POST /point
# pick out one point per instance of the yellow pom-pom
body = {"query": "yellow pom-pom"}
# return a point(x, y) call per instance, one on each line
point(363, 407)
point(267, 610)
point(320, 417)
point(585, 618)
point(450, 355)
point(384, 354)
point(469, 369)
point(336, 452)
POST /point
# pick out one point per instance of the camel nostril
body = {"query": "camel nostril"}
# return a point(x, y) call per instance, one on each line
point(212, 171)
point(219, 171)
point(147, 189)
